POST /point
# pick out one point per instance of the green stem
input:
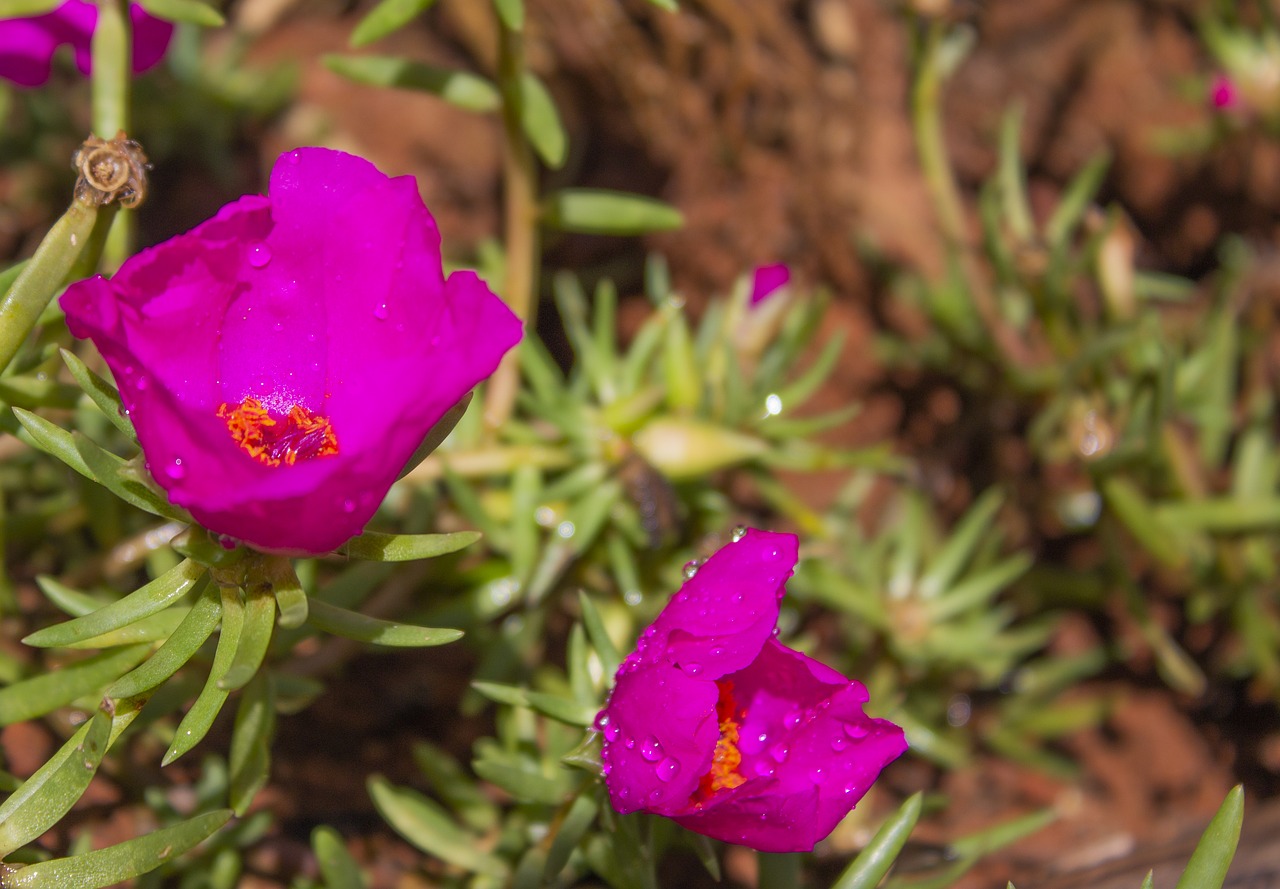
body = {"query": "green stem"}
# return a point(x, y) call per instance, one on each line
point(41, 277)
point(926, 116)
point(778, 870)
point(112, 50)
point(520, 224)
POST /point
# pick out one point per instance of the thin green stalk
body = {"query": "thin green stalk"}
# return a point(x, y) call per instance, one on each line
point(520, 224)
point(112, 50)
point(41, 277)
point(926, 117)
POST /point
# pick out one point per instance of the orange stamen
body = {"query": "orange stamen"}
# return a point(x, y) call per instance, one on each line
point(726, 761)
point(299, 435)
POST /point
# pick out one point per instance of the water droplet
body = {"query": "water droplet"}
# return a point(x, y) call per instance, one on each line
point(142, 383)
point(668, 769)
point(632, 597)
point(381, 312)
point(651, 749)
point(277, 327)
point(348, 505)
point(259, 255)
point(692, 669)
point(691, 569)
point(763, 768)
point(855, 730)
point(838, 744)
point(611, 733)
point(175, 470)
point(816, 775)
point(792, 719)
point(779, 752)
point(311, 337)
point(772, 405)
point(629, 743)
point(566, 529)
point(739, 532)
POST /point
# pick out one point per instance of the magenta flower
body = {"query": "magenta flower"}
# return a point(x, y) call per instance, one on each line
point(767, 280)
point(282, 361)
point(716, 724)
point(27, 45)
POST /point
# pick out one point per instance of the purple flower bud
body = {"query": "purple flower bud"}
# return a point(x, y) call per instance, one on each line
point(767, 280)
point(714, 723)
point(1223, 93)
point(27, 45)
point(282, 361)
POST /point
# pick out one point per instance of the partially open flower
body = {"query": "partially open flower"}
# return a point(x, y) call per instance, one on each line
point(282, 361)
point(767, 280)
point(716, 724)
point(27, 44)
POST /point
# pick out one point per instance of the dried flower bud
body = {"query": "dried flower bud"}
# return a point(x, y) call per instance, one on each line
point(111, 170)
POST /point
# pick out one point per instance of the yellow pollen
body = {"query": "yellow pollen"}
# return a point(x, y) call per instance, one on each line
point(726, 761)
point(298, 435)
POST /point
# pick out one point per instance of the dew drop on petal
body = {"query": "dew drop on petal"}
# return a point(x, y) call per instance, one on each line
point(763, 768)
point(651, 749)
point(259, 255)
point(381, 312)
point(855, 730)
point(779, 752)
point(348, 505)
point(816, 775)
point(141, 383)
point(667, 769)
point(838, 744)
point(175, 470)
point(629, 743)
point(692, 669)
point(691, 569)
point(611, 733)
point(792, 719)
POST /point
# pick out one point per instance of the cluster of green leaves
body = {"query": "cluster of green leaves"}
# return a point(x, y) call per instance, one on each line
point(1145, 407)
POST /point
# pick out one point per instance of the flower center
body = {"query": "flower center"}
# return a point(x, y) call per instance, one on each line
point(726, 762)
point(298, 435)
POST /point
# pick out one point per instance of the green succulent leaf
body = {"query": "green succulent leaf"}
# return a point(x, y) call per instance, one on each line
point(511, 12)
point(387, 17)
point(48, 691)
point(602, 212)
point(542, 122)
point(354, 625)
point(102, 393)
point(877, 857)
point(191, 12)
point(196, 724)
point(154, 597)
point(123, 861)
point(462, 88)
point(337, 867)
point(1208, 866)
point(54, 788)
point(376, 547)
point(196, 627)
point(431, 829)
